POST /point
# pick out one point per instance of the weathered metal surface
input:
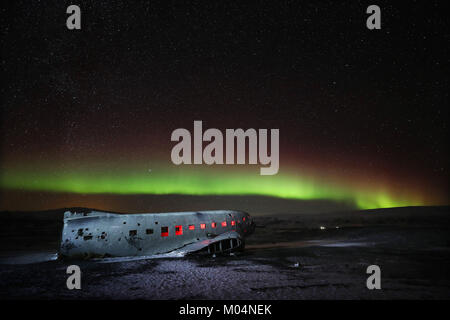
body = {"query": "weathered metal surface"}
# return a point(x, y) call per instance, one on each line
point(103, 234)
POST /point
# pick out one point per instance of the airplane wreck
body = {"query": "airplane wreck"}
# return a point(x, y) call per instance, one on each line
point(97, 234)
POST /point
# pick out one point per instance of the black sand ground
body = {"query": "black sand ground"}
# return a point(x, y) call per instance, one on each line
point(288, 257)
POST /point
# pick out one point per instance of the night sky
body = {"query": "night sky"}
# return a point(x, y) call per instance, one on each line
point(362, 113)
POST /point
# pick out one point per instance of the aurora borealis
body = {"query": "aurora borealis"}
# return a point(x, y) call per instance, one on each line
point(207, 181)
point(362, 115)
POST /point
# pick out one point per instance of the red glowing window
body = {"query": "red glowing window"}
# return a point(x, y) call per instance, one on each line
point(164, 231)
point(213, 224)
point(178, 230)
point(224, 223)
point(191, 227)
point(202, 226)
point(233, 223)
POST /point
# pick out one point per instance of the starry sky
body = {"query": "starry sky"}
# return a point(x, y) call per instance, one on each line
point(362, 113)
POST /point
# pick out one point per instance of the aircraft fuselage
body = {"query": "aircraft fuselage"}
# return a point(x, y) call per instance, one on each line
point(100, 234)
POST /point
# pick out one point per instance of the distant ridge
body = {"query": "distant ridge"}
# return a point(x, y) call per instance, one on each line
point(256, 205)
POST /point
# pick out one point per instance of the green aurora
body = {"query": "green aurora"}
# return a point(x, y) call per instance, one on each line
point(199, 180)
